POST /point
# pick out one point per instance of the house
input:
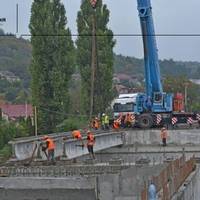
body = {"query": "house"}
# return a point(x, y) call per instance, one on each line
point(9, 76)
point(15, 112)
point(121, 89)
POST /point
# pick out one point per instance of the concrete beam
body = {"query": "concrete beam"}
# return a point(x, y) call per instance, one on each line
point(71, 148)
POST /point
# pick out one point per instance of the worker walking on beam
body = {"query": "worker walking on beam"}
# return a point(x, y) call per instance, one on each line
point(90, 144)
point(49, 145)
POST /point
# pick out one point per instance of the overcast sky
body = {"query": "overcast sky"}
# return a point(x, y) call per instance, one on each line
point(170, 17)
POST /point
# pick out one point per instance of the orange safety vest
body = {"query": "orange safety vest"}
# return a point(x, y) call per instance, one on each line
point(96, 124)
point(76, 134)
point(128, 118)
point(116, 124)
point(90, 140)
point(51, 144)
point(163, 134)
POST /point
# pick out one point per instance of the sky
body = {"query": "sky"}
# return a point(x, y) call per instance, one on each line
point(170, 17)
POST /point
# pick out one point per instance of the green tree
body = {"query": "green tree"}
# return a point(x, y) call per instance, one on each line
point(103, 92)
point(181, 84)
point(52, 62)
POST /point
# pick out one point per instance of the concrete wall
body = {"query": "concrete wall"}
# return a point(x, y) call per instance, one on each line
point(152, 137)
point(125, 185)
point(45, 194)
point(128, 184)
point(71, 188)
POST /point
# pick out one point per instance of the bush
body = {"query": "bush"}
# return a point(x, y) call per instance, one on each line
point(9, 131)
point(6, 152)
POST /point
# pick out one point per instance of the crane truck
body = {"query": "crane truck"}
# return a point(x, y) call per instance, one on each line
point(154, 107)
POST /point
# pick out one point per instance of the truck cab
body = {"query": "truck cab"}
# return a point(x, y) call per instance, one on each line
point(124, 104)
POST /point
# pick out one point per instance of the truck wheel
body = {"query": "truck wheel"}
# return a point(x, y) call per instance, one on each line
point(145, 121)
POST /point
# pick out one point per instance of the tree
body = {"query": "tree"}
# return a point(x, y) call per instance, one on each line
point(181, 84)
point(103, 92)
point(52, 62)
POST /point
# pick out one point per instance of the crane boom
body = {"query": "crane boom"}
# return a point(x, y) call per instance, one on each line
point(152, 69)
point(154, 100)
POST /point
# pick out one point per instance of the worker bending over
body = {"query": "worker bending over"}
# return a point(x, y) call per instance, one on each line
point(90, 144)
point(49, 145)
point(76, 134)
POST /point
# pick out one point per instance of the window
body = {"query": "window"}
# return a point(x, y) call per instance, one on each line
point(123, 107)
point(158, 97)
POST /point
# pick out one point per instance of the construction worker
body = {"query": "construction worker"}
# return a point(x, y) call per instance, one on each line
point(163, 135)
point(106, 121)
point(103, 121)
point(95, 123)
point(123, 125)
point(152, 192)
point(128, 120)
point(76, 134)
point(116, 123)
point(50, 146)
point(90, 144)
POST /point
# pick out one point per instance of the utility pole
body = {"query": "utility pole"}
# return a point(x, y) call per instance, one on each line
point(186, 87)
point(35, 115)
point(94, 56)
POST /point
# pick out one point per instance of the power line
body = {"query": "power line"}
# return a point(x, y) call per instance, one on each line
point(60, 113)
point(116, 35)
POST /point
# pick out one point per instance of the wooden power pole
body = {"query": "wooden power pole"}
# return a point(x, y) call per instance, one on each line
point(93, 57)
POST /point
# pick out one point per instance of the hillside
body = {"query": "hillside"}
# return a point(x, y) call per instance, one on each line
point(134, 66)
point(15, 56)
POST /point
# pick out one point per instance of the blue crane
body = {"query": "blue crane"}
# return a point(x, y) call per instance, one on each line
point(154, 100)
point(154, 107)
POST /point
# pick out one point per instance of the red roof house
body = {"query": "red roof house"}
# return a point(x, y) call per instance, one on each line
point(14, 112)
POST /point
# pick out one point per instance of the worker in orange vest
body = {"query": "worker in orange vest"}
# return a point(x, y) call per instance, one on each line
point(76, 134)
point(50, 146)
point(128, 120)
point(90, 144)
point(163, 135)
point(95, 123)
point(116, 124)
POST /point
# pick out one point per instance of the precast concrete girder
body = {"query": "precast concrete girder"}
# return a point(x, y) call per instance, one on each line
point(71, 148)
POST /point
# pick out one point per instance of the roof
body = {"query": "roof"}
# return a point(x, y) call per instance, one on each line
point(15, 111)
point(123, 76)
